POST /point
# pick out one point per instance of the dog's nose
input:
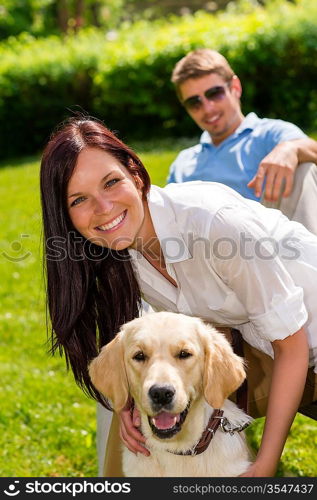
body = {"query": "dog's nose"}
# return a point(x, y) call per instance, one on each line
point(161, 395)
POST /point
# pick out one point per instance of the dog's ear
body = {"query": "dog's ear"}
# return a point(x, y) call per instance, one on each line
point(108, 375)
point(223, 371)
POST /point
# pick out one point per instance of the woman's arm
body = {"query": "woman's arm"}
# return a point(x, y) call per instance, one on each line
point(288, 381)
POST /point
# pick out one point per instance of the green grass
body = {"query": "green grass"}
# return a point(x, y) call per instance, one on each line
point(47, 425)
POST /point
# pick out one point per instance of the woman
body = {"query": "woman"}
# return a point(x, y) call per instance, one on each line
point(196, 248)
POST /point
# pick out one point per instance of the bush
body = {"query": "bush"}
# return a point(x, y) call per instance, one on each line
point(124, 77)
point(39, 80)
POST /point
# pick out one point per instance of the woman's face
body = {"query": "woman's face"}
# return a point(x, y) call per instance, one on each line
point(105, 202)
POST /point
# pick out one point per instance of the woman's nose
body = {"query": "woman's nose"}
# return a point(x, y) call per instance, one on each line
point(103, 205)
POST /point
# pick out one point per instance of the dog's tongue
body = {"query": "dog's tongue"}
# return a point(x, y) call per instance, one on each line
point(165, 420)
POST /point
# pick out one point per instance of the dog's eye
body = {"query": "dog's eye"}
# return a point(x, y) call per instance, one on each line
point(139, 356)
point(184, 354)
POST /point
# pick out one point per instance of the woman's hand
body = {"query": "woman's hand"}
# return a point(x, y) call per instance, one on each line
point(257, 470)
point(132, 438)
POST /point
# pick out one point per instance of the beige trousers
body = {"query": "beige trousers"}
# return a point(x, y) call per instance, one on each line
point(301, 205)
point(112, 461)
point(259, 374)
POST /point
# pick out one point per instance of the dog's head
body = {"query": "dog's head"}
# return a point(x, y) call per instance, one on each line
point(166, 362)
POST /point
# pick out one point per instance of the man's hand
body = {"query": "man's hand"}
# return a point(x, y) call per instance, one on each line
point(277, 170)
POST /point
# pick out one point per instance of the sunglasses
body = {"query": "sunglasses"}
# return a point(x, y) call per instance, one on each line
point(213, 94)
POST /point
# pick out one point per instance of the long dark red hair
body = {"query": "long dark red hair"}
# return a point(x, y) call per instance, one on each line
point(91, 291)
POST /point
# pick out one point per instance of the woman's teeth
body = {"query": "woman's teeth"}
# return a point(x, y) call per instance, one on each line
point(114, 223)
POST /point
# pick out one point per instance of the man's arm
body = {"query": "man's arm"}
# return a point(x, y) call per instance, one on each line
point(279, 166)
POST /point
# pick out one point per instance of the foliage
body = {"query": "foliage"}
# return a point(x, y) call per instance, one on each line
point(47, 425)
point(152, 9)
point(123, 77)
point(17, 16)
point(44, 17)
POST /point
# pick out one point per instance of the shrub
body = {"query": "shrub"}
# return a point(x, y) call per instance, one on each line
point(39, 80)
point(124, 77)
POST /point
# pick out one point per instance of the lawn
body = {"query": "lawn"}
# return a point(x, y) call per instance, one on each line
point(47, 425)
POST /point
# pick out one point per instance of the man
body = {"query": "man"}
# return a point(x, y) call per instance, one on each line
point(262, 159)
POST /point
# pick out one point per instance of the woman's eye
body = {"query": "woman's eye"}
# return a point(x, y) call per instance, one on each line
point(112, 182)
point(139, 356)
point(77, 201)
point(184, 354)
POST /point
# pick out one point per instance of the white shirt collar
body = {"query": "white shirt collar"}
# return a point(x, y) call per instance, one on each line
point(172, 242)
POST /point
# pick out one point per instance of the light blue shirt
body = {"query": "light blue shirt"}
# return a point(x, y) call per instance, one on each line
point(234, 161)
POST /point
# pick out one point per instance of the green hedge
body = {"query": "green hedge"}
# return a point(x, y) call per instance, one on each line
point(124, 77)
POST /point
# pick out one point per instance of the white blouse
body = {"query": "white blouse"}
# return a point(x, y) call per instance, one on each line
point(235, 262)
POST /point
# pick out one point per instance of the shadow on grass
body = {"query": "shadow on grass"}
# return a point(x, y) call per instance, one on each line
point(18, 161)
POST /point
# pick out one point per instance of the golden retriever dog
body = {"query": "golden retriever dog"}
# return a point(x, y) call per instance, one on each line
point(179, 372)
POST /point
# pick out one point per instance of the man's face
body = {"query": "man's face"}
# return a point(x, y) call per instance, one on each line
point(220, 114)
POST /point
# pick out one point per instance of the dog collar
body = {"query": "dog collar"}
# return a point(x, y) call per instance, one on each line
point(217, 419)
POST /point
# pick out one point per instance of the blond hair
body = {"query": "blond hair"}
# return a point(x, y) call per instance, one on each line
point(198, 63)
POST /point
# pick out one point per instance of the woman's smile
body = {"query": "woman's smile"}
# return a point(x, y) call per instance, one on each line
point(114, 224)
